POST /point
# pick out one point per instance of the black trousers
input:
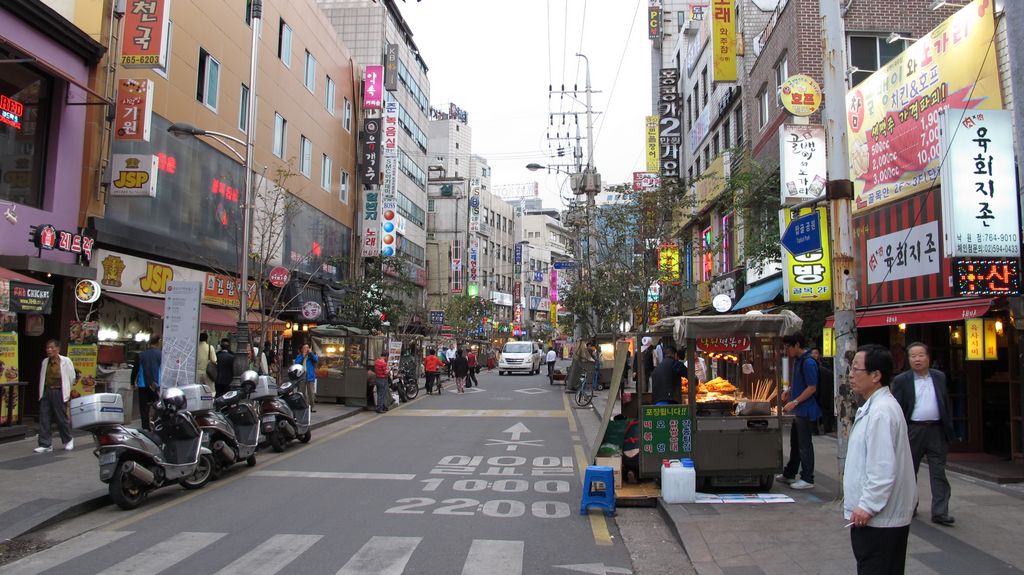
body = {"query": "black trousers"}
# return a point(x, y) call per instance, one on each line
point(930, 440)
point(52, 407)
point(147, 397)
point(471, 376)
point(801, 450)
point(880, 550)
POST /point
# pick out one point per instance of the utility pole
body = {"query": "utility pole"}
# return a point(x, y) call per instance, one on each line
point(840, 194)
point(591, 186)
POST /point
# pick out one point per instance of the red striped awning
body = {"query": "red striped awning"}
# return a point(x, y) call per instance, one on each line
point(944, 311)
point(6, 274)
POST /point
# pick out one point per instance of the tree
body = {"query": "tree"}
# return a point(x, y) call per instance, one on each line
point(465, 315)
point(379, 299)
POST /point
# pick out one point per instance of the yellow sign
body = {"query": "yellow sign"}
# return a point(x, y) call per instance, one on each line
point(828, 342)
point(892, 117)
point(800, 95)
point(723, 40)
point(553, 315)
point(653, 156)
point(668, 262)
point(975, 339)
point(808, 277)
point(9, 373)
point(84, 358)
point(991, 340)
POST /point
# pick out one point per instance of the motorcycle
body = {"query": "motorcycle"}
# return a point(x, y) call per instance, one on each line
point(232, 427)
point(134, 462)
point(404, 384)
point(286, 416)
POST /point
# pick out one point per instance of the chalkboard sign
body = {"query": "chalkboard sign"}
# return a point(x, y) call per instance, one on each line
point(666, 432)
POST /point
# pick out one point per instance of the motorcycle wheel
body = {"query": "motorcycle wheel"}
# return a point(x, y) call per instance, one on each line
point(412, 389)
point(201, 476)
point(251, 461)
point(305, 437)
point(276, 441)
point(125, 490)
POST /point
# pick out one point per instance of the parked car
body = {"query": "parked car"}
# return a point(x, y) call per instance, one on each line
point(520, 356)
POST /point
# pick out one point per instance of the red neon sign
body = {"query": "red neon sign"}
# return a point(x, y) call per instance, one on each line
point(166, 163)
point(221, 188)
point(11, 112)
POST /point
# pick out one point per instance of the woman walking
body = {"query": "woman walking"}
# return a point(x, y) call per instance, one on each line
point(460, 367)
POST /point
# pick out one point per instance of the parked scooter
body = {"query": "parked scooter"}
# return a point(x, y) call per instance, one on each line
point(404, 383)
point(135, 462)
point(286, 417)
point(232, 427)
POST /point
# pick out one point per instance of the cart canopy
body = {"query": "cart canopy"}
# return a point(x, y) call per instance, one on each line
point(688, 326)
point(338, 330)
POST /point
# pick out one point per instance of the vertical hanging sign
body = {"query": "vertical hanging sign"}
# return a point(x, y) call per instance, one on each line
point(146, 30)
point(373, 88)
point(134, 112)
point(651, 144)
point(808, 276)
point(390, 137)
point(975, 343)
point(802, 161)
point(670, 134)
point(391, 67)
point(456, 270)
point(723, 40)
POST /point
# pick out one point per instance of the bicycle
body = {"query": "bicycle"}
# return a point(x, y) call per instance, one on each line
point(585, 392)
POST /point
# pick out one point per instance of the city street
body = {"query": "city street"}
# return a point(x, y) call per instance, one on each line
point(482, 482)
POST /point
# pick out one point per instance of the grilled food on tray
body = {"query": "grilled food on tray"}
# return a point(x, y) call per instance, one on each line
point(720, 385)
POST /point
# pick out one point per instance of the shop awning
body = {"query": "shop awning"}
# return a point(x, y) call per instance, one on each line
point(214, 318)
point(938, 312)
point(7, 274)
point(758, 294)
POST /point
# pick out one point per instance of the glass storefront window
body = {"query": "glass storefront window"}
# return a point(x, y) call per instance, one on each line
point(26, 98)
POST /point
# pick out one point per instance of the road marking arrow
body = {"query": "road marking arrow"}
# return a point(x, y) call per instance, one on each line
point(595, 569)
point(517, 431)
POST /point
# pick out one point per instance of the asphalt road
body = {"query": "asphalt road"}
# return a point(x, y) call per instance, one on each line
point(485, 482)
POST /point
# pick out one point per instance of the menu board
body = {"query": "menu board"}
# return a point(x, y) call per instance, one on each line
point(666, 432)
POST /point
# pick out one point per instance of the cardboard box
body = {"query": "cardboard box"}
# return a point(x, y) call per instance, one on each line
point(616, 464)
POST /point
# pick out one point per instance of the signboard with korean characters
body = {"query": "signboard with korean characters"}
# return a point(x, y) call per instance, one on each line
point(670, 132)
point(801, 161)
point(134, 113)
point(979, 206)
point(645, 181)
point(134, 175)
point(146, 33)
point(654, 20)
point(370, 144)
point(904, 254)
point(723, 40)
point(800, 95)
point(892, 117)
point(390, 129)
point(808, 277)
point(651, 143)
point(373, 88)
point(371, 227)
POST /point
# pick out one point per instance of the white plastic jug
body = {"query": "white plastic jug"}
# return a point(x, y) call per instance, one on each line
point(674, 482)
point(689, 481)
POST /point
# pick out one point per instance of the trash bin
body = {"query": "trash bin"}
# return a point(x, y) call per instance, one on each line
point(121, 384)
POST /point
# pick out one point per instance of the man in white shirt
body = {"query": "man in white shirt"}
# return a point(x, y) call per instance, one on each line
point(449, 355)
point(659, 353)
point(879, 488)
point(922, 393)
point(550, 359)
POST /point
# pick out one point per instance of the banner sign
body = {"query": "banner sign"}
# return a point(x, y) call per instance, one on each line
point(84, 357)
point(146, 33)
point(373, 88)
point(670, 133)
point(370, 145)
point(553, 315)
point(134, 113)
point(388, 224)
point(904, 254)
point(474, 248)
point(893, 116)
point(371, 236)
point(723, 40)
point(391, 67)
point(517, 302)
point(436, 317)
point(18, 297)
point(553, 288)
point(668, 263)
point(224, 290)
point(47, 237)
point(134, 175)
point(9, 373)
point(979, 179)
point(723, 344)
point(975, 340)
point(808, 277)
point(390, 137)
point(651, 144)
point(800, 95)
point(987, 277)
point(645, 181)
point(456, 269)
point(474, 210)
point(180, 334)
point(802, 161)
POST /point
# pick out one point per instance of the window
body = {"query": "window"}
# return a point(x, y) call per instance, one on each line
point(243, 109)
point(703, 88)
point(167, 61)
point(739, 125)
point(280, 135)
point(343, 190)
point(869, 53)
point(305, 156)
point(781, 71)
point(24, 146)
point(431, 206)
point(310, 72)
point(689, 112)
point(347, 119)
point(726, 132)
point(762, 108)
point(330, 95)
point(326, 167)
point(284, 43)
point(208, 80)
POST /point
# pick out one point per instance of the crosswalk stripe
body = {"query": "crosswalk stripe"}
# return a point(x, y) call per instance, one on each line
point(271, 556)
point(381, 556)
point(164, 555)
point(66, 551)
point(493, 557)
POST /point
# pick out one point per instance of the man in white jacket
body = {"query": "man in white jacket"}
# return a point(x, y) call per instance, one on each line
point(56, 377)
point(880, 489)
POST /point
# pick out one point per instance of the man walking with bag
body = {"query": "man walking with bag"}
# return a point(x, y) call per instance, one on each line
point(801, 403)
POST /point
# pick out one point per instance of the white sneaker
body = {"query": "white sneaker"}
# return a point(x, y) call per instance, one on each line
point(783, 479)
point(69, 446)
point(42, 449)
point(801, 484)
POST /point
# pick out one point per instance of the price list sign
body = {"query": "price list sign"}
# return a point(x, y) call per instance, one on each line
point(666, 432)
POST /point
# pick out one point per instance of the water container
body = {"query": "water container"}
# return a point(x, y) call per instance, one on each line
point(689, 483)
point(672, 482)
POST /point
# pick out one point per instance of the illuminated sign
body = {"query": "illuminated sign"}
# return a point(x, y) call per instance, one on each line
point(11, 112)
point(654, 22)
point(723, 344)
point(975, 344)
point(991, 340)
point(723, 39)
point(373, 88)
point(46, 237)
point(388, 228)
point(987, 277)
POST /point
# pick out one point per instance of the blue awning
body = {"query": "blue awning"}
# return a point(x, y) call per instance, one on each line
point(762, 293)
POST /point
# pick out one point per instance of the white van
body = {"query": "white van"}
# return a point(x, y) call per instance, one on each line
point(521, 356)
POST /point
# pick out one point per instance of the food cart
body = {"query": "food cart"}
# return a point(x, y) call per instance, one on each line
point(731, 423)
point(344, 357)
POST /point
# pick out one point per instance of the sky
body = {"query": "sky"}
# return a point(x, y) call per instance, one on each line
point(496, 60)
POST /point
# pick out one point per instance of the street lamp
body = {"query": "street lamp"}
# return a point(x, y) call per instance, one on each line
point(183, 130)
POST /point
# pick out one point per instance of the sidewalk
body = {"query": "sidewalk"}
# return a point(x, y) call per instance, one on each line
point(39, 489)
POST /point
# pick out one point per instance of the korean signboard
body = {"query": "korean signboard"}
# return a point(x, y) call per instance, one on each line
point(371, 231)
point(668, 263)
point(371, 148)
point(975, 340)
point(802, 161)
point(800, 95)
point(553, 288)
point(390, 127)
point(723, 344)
point(651, 144)
point(146, 32)
point(979, 180)
point(456, 268)
point(474, 210)
point(373, 88)
point(908, 253)
point(474, 249)
point(11, 112)
point(20, 297)
point(134, 175)
point(893, 116)
point(987, 277)
point(134, 113)
point(645, 181)
point(223, 290)
point(670, 134)
point(723, 40)
point(391, 67)
point(47, 237)
point(654, 20)
point(808, 277)
point(517, 302)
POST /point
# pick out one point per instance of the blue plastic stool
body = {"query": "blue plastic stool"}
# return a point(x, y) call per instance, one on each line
point(604, 497)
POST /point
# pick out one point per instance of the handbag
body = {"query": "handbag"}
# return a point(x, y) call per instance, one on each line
point(211, 367)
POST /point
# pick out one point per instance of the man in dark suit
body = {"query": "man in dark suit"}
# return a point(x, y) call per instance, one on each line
point(923, 394)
